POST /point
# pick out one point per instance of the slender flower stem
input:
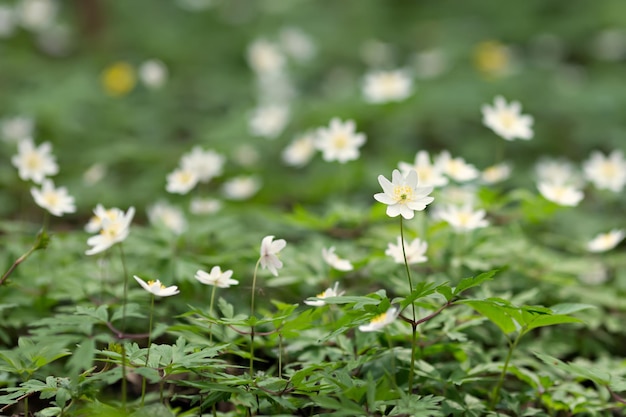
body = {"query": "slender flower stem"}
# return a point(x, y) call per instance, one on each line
point(413, 324)
point(211, 313)
point(143, 383)
point(280, 355)
point(496, 391)
point(256, 269)
point(123, 258)
point(41, 242)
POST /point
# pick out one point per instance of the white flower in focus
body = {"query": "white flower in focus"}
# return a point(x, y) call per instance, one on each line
point(456, 168)
point(216, 277)
point(557, 171)
point(386, 86)
point(34, 163)
point(402, 195)
point(17, 128)
point(380, 321)
point(606, 172)
point(339, 141)
point(153, 73)
point(606, 241)
point(241, 188)
point(507, 121)
point(562, 194)
point(335, 261)
point(55, 200)
point(181, 181)
point(169, 216)
point(36, 15)
point(204, 205)
point(496, 173)
point(100, 214)
point(114, 228)
point(7, 21)
point(297, 44)
point(329, 292)
point(156, 288)
point(463, 218)
point(300, 151)
point(415, 251)
point(269, 251)
point(269, 121)
point(94, 174)
point(205, 165)
point(427, 173)
point(265, 57)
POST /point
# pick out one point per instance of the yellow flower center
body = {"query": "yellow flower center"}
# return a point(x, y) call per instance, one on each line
point(152, 282)
point(118, 79)
point(33, 161)
point(52, 199)
point(340, 141)
point(491, 57)
point(379, 319)
point(609, 170)
point(403, 193)
point(507, 119)
point(464, 218)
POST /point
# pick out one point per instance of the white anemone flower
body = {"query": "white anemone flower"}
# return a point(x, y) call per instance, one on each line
point(557, 171)
point(606, 241)
point(269, 121)
point(381, 321)
point(496, 173)
point(112, 230)
point(561, 194)
point(300, 151)
point(156, 288)
point(415, 251)
point(463, 218)
point(204, 205)
point(297, 44)
point(265, 57)
point(181, 181)
point(56, 200)
point(17, 128)
point(34, 163)
point(332, 259)
point(456, 168)
point(339, 141)
point(241, 187)
point(100, 214)
point(428, 174)
point(269, 253)
point(606, 172)
point(387, 86)
point(507, 121)
point(153, 73)
point(318, 300)
point(169, 216)
point(216, 277)
point(205, 164)
point(402, 194)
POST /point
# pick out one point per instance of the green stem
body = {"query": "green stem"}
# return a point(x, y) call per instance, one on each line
point(143, 383)
point(256, 269)
point(496, 391)
point(125, 298)
point(280, 355)
point(211, 313)
point(413, 324)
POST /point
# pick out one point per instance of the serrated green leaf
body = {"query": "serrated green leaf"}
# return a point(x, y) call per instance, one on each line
point(467, 283)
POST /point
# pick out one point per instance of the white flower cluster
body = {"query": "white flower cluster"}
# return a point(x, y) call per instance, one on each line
point(199, 165)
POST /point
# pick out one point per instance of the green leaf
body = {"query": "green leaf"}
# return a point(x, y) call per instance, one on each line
point(467, 283)
point(549, 320)
point(599, 376)
point(498, 314)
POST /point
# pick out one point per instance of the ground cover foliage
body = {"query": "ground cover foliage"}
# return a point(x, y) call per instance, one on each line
point(309, 208)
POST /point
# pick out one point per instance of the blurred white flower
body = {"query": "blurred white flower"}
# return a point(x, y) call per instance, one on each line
point(456, 168)
point(595, 274)
point(339, 141)
point(265, 57)
point(496, 173)
point(181, 181)
point(111, 215)
point(95, 173)
point(34, 163)
point(557, 171)
point(300, 151)
point(427, 174)
point(332, 259)
point(204, 205)
point(562, 194)
point(246, 155)
point(380, 321)
point(463, 218)
point(318, 300)
point(156, 288)
point(216, 277)
point(376, 53)
point(56, 200)
point(195, 5)
point(297, 44)
point(386, 86)
point(153, 73)
point(506, 120)
point(415, 251)
point(606, 172)
point(241, 188)
point(167, 215)
point(270, 249)
point(269, 121)
point(430, 63)
point(456, 195)
point(7, 21)
point(36, 15)
point(205, 164)
point(403, 195)
point(609, 45)
point(114, 228)
point(17, 128)
point(606, 241)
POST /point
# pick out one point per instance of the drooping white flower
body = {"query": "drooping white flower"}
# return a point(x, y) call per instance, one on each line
point(318, 300)
point(496, 173)
point(387, 86)
point(56, 200)
point(297, 44)
point(204, 205)
point(153, 73)
point(156, 288)
point(241, 188)
point(17, 128)
point(463, 218)
point(114, 228)
point(381, 321)
point(507, 121)
point(339, 141)
point(557, 171)
point(606, 241)
point(265, 57)
point(269, 121)
point(300, 151)
point(335, 261)
point(415, 251)
point(169, 216)
point(204, 164)
point(34, 163)
point(606, 172)
point(562, 194)
point(36, 15)
point(216, 277)
point(269, 253)
point(181, 181)
point(402, 195)
point(428, 174)
point(456, 168)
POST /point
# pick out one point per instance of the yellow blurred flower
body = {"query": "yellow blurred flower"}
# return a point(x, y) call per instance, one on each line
point(118, 79)
point(492, 58)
